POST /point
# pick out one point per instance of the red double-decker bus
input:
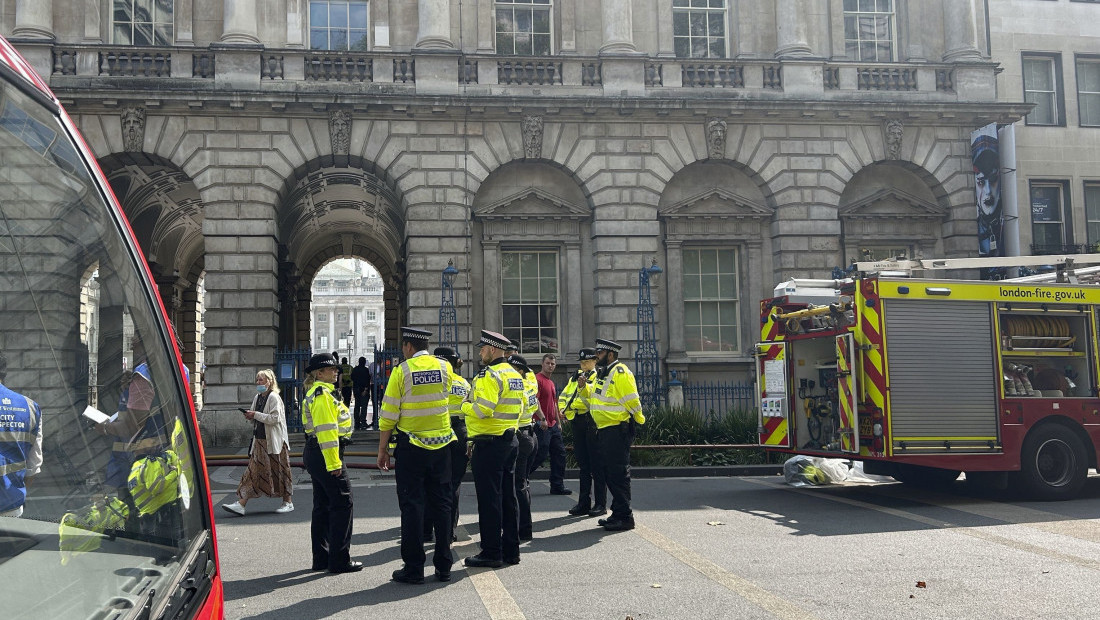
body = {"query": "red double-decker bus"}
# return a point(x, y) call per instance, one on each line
point(105, 507)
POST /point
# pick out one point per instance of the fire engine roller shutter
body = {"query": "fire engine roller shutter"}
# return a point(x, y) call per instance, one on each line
point(942, 385)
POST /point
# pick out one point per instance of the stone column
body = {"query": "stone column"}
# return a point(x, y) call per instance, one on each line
point(674, 278)
point(791, 30)
point(916, 14)
point(745, 21)
point(960, 34)
point(491, 294)
point(239, 25)
point(435, 25)
point(618, 27)
point(665, 45)
point(570, 335)
point(33, 19)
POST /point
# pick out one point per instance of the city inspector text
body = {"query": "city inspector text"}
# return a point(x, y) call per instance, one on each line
point(1040, 294)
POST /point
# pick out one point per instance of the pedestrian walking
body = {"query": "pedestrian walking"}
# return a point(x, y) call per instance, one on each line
point(528, 444)
point(574, 405)
point(346, 382)
point(551, 423)
point(415, 406)
point(324, 417)
point(268, 473)
point(492, 416)
point(615, 408)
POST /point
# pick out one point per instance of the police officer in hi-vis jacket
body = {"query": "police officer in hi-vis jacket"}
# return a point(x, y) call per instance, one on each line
point(574, 405)
point(415, 404)
point(615, 408)
point(492, 416)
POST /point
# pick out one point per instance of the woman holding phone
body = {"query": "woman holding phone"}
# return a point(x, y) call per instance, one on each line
point(268, 473)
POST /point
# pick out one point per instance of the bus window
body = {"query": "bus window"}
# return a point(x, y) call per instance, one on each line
point(103, 502)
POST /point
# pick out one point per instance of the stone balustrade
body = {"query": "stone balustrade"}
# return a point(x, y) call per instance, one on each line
point(491, 74)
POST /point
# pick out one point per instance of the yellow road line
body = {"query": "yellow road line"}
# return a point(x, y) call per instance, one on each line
point(972, 532)
point(494, 596)
point(778, 607)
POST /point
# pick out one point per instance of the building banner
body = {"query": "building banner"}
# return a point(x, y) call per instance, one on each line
point(986, 157)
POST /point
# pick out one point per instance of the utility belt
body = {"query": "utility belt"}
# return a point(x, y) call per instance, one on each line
point(507, 436)
point(624, 426)
point(527, 430)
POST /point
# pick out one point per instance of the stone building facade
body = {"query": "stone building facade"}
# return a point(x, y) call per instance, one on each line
point(348, 313)
point(550, 149)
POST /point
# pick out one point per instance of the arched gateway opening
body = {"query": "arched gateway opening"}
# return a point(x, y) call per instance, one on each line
point(338, 208)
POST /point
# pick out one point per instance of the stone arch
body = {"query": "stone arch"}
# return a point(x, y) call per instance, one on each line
point(892, 207)
point(165, 210)
point(719, 205)
point(535, 205)
point(338, 207)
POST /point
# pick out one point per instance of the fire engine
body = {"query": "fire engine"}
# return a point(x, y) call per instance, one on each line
point(924, 378)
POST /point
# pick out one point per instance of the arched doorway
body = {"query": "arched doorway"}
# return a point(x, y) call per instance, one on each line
point(165, 212)
point(330, 211)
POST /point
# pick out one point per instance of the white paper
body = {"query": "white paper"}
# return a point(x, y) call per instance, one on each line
point(774, 381)
point(97, 416)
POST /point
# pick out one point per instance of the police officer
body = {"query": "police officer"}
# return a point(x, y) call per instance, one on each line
point(460, 391)
point(322, 411)
point(528, 443)
point(574, 404)
point(415, 404)
point(615, 408)
point(20, 445)
point(492, 416)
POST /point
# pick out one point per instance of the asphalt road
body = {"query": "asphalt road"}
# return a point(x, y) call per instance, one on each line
point(704, 548)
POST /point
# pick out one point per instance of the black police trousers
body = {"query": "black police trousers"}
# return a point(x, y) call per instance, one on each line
point(494, 466)
point(528, 447)
point(424, 494)
point(615, 450)
point(586, 449)
point(330, 529)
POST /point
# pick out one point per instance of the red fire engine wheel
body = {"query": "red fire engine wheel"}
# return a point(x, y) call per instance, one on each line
point(1054, 464)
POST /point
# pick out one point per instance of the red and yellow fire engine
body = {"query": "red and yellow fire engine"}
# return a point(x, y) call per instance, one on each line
point(925, 378)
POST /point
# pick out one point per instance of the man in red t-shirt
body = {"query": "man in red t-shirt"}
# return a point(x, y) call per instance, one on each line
point(548, 403)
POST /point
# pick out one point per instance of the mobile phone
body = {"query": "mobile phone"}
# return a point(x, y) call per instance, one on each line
point(242, 410)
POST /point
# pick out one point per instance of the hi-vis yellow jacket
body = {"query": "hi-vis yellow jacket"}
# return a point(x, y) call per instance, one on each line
point(321, 413)
point(416, 401)
point(570, 405)
point(496, 402)
point(530, 398)
point(615, 397)
point(460, 391)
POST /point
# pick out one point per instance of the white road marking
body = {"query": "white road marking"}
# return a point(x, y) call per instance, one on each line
point(494, 596)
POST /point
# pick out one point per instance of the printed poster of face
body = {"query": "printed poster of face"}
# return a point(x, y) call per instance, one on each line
point(985, 156)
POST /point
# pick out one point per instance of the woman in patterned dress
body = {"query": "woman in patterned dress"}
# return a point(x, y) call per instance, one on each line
point(268, 473)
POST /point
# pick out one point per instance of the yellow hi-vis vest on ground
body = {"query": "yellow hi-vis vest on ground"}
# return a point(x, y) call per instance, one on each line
point(416, 401)
point(154, 481)
point(321, 412)
point(530, 398)
point(572, 401)
point(496, 402)
point(615, 397)
point(460, 391)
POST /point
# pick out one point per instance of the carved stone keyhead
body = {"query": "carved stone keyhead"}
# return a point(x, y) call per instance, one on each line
point(133, 129)
point(532, 136)
point(893, 132)
point(339, 128)
point(716, 137)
